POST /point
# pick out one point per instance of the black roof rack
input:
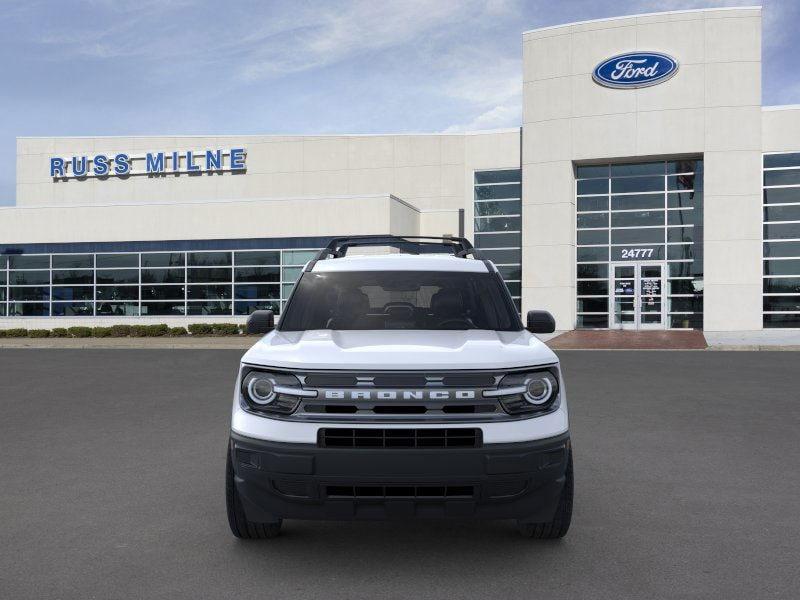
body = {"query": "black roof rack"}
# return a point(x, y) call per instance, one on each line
point(410, 244)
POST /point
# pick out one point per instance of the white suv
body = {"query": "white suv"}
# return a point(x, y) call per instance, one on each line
point(401, 385)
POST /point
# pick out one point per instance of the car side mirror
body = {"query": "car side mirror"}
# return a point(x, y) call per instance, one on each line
point(540, 321)
point(261, 322)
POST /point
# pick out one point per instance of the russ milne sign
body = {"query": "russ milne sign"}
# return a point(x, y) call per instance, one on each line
point(152, 163)
point(635, 70)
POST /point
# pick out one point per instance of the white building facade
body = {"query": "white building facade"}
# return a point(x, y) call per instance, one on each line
point(647, 188)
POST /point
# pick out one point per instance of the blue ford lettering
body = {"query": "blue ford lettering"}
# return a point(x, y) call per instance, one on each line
point(635, 70)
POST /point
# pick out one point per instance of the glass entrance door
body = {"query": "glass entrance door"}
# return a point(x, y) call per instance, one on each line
point(637, 295)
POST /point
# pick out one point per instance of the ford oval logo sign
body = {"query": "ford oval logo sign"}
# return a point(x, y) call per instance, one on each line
point(635, 70)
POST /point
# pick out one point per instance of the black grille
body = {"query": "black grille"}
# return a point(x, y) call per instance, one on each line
point(431, 492)
point(399, 438)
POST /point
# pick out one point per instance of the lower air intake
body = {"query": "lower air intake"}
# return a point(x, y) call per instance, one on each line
point(400, 438)
point(380, 492)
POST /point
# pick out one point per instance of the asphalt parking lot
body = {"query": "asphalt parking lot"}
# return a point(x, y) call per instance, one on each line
point(111, 486)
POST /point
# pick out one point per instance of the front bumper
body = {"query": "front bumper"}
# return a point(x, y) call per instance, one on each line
point(520, 480)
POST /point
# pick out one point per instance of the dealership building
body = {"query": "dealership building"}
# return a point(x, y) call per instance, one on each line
point(646, 188)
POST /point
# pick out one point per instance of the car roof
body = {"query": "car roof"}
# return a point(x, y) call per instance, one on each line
point(402, 262)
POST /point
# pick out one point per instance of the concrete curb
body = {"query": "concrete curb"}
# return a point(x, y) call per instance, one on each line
point(185, 343)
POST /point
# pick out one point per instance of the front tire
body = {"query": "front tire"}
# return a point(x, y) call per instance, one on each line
point(558, 527)
point(240, 526)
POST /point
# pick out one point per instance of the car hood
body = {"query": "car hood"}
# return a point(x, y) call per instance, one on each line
point(376, 350)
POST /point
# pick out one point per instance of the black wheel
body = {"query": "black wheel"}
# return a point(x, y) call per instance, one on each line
point(240, 526)
point(558, 527)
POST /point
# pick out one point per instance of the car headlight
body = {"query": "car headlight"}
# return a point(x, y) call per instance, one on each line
point(528, 392)
point(272, 392)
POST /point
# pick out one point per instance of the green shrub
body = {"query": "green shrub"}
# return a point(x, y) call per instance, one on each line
point(38, 333)
point(101, 332)
point(120, 330)
point(201, 329)
point(224, 329)
point(138, 331)
point(177, 331)
point(157, 330)
point(80, 332)
point(16, 332)
point(2, 333)
point(59, 332)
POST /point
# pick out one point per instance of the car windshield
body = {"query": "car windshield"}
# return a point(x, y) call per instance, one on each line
point(430, 300)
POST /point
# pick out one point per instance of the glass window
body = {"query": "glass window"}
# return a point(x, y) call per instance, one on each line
point(498, 240)
point(3, 262)
point(680, 234)
point(298, 257)
point(780, 231)
point(637, 218)
point(258, 273)
point(684, 200)
point(681, 182)
point(28, 309)
point(261, 257)
point(209, 275)
point(162, 308)
point(684, 217)
point(29, 277)
point(286, 289)
point(684, 166)
point(116, 261)
point(29, 261)
point(782, 213)
point(593, 220)
point(782, 303)
point(246, 308)
point(77, 292)
point(681, 304)
point(788, 177)
point(117, 292)
point(514, 288)
point(117, 309)
point(209, 292)
point(782, 267)
point(649, 168)
point(500, 176)
point(209, 259)
point(66, 277)
point(257, 292)
point(209, 308)
point(117, 275)
point(291, 273)
point(162, 292)
point(498, 207)
point(493, 192)
point(782, 285)
point(589, 171)
point(592, 254)
point(592, 186)
point(503, 257)
point(637, 184)
point(593, 305)
point(637, 236)
point(694, 321)
point(790, 159)
point(2, 278)
point(592, 271)
point(510, 272)
point(73, 261)
point(787, 320)
point(681, 269)
point(637, 202)
point(679, 252)
point(685, 286)
point(73, 309)
point(593, 321)
point(498, 224)
point(593, 288)
point(592, 236)
point(782, 249)
point(29, 293)
point(593, 203)
point(164, 259)
point(163, 276)
point(782, 195)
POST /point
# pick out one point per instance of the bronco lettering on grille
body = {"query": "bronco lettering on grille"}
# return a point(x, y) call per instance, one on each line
point(399, 394)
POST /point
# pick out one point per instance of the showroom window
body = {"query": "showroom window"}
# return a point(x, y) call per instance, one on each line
point(120, 284)
point(498, 223)
point(640, 245)
point(781, 280)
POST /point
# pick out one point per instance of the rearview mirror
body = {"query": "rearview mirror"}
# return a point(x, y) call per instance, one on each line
point(540, 321)
point(261, 322)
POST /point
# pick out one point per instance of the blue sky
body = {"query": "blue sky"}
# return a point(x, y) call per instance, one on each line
point(151, 67)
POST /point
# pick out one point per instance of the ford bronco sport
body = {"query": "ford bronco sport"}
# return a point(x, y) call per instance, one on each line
point(400, 385)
